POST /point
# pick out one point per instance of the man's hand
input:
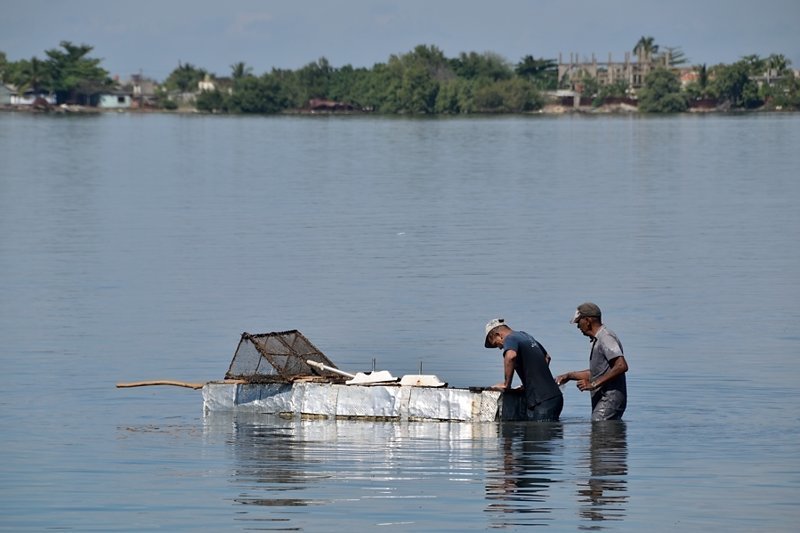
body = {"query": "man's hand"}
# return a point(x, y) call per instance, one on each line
point(502, 387)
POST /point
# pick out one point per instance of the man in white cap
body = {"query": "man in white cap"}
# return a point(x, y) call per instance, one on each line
point(523, 354)
point(605, 377)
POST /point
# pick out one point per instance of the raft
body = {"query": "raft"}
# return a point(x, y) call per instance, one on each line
point(391, 402)
point(283, 373)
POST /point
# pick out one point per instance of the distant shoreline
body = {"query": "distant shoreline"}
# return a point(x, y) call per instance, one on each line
point(549, 110)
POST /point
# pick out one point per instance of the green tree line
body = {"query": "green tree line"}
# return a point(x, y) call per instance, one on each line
point(749, 83)
point(424, 81)
point(67, 72)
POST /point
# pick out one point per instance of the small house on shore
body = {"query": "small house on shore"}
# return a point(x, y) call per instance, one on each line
point(114, 100)
point(5, 94)
point(10, 95)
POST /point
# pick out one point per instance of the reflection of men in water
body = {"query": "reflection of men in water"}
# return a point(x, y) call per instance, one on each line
point(523, 354)
point(519, 491)
point(605, 494)
point(605, 377)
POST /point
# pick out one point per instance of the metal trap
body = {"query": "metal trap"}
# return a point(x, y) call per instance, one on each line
point(278, 357)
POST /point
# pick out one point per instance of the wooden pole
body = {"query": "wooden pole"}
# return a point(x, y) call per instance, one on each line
point(161, 382)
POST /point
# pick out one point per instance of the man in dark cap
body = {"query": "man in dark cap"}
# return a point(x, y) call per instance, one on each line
point(523, 354)
point(605, 377)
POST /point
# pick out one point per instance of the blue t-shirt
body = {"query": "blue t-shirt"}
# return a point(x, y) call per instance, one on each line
point(532, 368)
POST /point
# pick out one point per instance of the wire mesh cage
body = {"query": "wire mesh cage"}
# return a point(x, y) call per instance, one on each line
point(277, 357)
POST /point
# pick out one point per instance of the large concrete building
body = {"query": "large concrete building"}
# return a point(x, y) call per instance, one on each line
point(572, 73)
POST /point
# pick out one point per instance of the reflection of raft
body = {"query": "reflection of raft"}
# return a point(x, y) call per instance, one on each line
point(284, 374)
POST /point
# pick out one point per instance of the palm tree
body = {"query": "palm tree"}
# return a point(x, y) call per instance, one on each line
point(755, 63)
point(645, 49)
point(778, 63)
point(241, 70)
point(544, 72)
point(673, 56)
point(32, 75)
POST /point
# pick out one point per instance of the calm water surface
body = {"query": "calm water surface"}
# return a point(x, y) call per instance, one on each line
point(140, 247)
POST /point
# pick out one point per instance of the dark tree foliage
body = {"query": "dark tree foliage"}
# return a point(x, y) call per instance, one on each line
point(211, 101)
point(785, 94)
point(662, 93)
point(27, 74)
point(313, 81)
point(72, 75)
point(486, 66)
point(734, 85)
point(185, 78)
point(265, 94)
point(67, 72)
point(542, 72)
point(241, 70)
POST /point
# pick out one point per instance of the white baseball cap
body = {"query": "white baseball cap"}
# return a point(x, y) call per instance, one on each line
point(493, 323)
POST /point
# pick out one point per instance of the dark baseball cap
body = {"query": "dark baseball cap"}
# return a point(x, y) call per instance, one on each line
point(584, 310)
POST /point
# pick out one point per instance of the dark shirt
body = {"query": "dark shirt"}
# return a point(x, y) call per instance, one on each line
point(532, 368)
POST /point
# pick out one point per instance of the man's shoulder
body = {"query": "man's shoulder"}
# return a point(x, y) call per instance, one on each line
point(526, 339)
point(605, 330)
point(524, 336)
point(609, 340)
point(515, 339)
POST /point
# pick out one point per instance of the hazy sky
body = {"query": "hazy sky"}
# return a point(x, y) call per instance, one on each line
point(152, 36)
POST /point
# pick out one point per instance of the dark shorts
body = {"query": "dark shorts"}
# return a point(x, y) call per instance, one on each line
point(608, 405)
point(548, 410)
